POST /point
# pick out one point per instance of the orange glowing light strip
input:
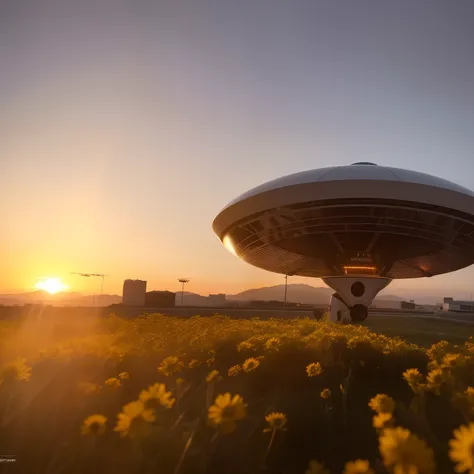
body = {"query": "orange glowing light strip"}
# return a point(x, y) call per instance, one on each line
point(348, 267)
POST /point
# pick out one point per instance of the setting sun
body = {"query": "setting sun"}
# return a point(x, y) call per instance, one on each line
point(51, 285)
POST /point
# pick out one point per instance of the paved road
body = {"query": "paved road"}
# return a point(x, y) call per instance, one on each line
point(462, 318)
point(80, 313)
point(232, 313)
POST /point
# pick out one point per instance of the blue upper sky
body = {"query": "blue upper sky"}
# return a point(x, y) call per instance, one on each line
point(126, 126)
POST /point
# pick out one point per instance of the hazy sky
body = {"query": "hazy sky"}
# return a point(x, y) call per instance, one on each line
point(125, 126)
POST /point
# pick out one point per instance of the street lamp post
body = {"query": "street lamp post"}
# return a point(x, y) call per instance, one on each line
point(286, 289)
point(183, 281)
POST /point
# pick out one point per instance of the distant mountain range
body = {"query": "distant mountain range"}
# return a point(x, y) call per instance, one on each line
point(59, 299)
point(296, 293)
point(384, 297)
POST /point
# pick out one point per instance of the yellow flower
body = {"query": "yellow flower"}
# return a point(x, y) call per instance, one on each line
point(17, 369)
point(469, 394)
point(134, 420)
point(381, 419)
point(437, 351)
point(462, 448)
point(435, 379)
point(88, 388)
point(273, 343)
point(414, 379)
point(382, 403)
point(194, 363)
point(234, 370)
point(244, 346)
point(276, 421)
point(94, 425)
point(360, 466)
point(405, 453)
point(179, 381)
point(170, 365)
point(124, 375)
point(213, 376)
point(316, 467)
point(326, 393)
point(226, 411)
point(113, 382)
point(155, 396)
point(250, 364)
point(314, 369)
point(465, 401)
point(450, 360)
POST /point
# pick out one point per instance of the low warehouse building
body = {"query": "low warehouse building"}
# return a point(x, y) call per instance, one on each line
point(160, 299)
point(450, 304)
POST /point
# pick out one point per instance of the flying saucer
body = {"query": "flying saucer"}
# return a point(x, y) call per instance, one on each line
point(360, 220)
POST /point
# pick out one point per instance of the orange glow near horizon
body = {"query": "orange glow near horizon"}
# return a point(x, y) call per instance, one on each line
point(51, 285)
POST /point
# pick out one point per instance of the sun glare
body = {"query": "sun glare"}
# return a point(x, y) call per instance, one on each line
point(51, 285)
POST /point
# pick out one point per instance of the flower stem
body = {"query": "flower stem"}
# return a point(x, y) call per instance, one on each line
point(185, 450)
point(269, 447)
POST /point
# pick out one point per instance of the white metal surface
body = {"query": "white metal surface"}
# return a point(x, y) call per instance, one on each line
point(342, 285)
point(351, 172)
point(342, 182)
point(321, 223)
point(338, 311)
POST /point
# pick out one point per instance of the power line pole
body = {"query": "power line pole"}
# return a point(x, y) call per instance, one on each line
point(183, 281)
point(286, 289)
point(87, 275)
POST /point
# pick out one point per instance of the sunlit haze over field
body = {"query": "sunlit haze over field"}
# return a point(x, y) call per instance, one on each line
point(125, 127)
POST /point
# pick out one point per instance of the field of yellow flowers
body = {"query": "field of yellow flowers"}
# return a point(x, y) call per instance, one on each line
point(214, 395)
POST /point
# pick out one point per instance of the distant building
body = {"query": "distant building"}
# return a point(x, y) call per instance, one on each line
point(233, 304)
point(134, 293)
point(450, 304)
point(216, 299)
point(160, 299)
